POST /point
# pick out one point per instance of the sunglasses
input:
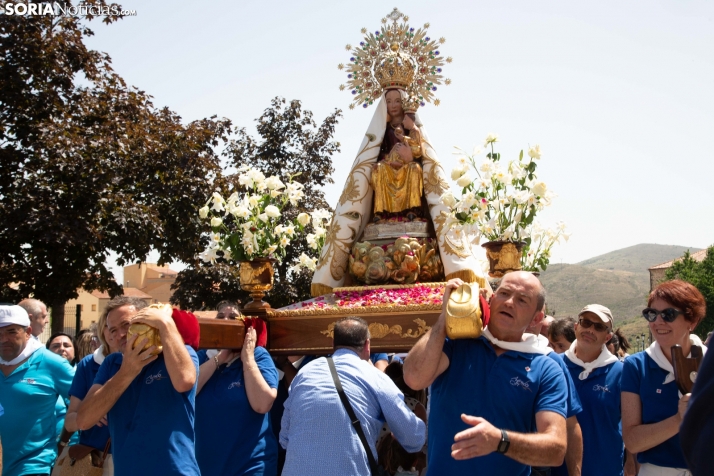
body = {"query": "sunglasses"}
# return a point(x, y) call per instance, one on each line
point(668, 315)
point(600, 327)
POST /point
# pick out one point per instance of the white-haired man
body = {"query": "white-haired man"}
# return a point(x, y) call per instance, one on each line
point(37, 310)
point(31, 381)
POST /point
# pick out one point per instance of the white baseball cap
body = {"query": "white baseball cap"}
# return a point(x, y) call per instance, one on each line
point(10, 315)
point(600, 311)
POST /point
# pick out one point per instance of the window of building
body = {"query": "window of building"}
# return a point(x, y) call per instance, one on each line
point(94, 308)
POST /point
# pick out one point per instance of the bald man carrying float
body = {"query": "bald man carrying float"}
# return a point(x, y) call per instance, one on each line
point(499, 402)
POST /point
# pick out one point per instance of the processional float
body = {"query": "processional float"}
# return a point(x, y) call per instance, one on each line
point(388, 251)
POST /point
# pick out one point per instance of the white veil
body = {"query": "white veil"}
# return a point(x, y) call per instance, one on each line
point(354, 207)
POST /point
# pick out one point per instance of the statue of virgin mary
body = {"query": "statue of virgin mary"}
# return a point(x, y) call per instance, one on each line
point(396, 178)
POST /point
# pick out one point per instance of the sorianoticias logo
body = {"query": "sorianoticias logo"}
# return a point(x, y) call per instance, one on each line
point(61, 8)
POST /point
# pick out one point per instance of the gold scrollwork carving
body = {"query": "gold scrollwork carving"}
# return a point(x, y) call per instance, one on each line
point(379, 331)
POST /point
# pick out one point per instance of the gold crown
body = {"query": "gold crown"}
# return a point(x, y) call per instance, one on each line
point(411, 104)
point(396, 56)
point(395, 70)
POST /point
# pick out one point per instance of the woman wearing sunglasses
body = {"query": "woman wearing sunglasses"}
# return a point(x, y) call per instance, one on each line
point(652, 407)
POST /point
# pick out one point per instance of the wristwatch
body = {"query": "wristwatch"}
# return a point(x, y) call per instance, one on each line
point(504, 443)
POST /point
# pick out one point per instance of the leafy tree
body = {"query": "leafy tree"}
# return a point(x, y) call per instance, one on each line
point(701, 275)
point(202, 287)
point(290, 143)
point(89, 166)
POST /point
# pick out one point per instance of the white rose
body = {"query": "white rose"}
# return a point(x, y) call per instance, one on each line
point(303, 219)
point(539, 189)
point(272, 211)
point(240, 212)
point(216, 221)
point(448, 199)
point(311, 242)
point(274, 183)
point(534, 152)
point(203, 212)
point(320, 232)
point(464, 181)
point(490, 139)
point(457, 172)
point(263, 217)
point(321, 214)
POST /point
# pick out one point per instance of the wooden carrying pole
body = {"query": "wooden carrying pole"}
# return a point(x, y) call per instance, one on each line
point(312, 334)
point(685, 369)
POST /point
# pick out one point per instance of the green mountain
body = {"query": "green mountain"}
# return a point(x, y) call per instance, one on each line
point(618, 280)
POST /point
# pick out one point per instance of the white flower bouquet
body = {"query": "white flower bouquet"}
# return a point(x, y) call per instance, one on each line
point(319, 219)
point(498, 201)
point(536, 253)
point(251, 225)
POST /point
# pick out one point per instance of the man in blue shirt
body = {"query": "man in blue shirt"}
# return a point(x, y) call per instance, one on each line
point(316, 431)
point(596, 373)
point(149, 399)
point(498, 403)
point(32, 380)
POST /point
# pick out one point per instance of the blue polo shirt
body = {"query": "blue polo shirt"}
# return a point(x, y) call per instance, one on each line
point(600, 421)
point(151, 424)
point(574, 404)
point(507, 390)
point(374, 358)
point(222, 407)
point(641, 375)
point(87, 369)
point(28, 427)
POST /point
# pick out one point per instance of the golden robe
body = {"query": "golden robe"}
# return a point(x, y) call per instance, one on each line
point(396, 190)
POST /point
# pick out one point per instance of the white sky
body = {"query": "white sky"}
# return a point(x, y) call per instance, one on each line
point(619, 94)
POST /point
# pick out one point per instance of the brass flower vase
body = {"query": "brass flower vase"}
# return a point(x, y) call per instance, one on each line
point(503, 257)
point(256, 277)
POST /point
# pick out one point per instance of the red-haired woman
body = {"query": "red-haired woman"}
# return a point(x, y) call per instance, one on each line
point(652, 407)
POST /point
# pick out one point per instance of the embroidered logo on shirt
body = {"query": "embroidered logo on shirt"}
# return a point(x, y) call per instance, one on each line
point(31, 381)
point(528, 369)
point(236, 384)
point(601, 388)
point(517, 382)
point(659, 390)
point(154, 378)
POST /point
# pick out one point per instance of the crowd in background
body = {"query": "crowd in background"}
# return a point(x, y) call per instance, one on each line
point(534, 395)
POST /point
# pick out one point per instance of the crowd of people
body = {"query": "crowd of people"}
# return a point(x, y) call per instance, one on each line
point(533, 395)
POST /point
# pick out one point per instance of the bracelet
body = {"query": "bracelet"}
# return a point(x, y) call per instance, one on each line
point(215, 359)
point(251, 367)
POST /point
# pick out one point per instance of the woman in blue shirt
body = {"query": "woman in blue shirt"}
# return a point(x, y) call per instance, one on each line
point(234, 435)
point(652, 408)
point(97, 436)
